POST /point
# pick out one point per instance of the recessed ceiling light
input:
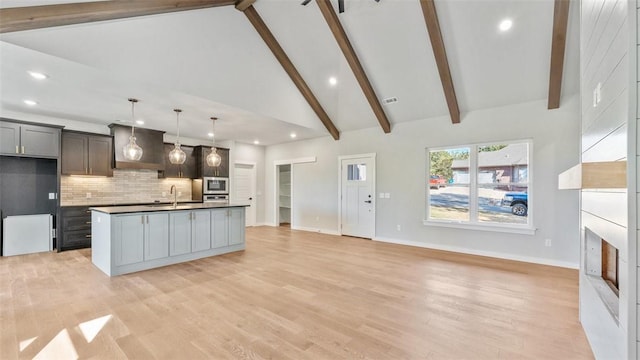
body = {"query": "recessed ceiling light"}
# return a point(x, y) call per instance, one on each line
point(293, 135)
point(256, 142)
point(333, 81)
point(37, 75)
point(140, 122)
point(505, 25)
point(30, 102)
point(210, 134)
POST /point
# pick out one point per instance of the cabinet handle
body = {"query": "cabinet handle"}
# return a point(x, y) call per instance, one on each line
point(87, 222)
point(23, 149)
point(17, 151)
point(86, 171)
point(88, 236)
point(147, 219)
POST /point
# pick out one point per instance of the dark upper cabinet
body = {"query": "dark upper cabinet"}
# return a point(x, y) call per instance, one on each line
point(25, 139)
point(86, 154)
point(151, 142)
point(204, 170)
point(186, 170)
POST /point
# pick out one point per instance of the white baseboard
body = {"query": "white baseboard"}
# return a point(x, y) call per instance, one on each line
point(264, 224)
point(534, 260)
point(316, 230)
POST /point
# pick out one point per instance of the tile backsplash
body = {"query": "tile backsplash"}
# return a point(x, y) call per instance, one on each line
point(126, 186)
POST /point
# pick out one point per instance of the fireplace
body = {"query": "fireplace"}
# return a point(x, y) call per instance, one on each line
point(602, 268)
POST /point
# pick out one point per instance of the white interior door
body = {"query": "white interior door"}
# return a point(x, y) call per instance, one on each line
point(245, 190)
point(357, 196)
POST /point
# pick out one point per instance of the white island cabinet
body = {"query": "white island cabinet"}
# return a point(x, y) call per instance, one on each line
point(126, 239)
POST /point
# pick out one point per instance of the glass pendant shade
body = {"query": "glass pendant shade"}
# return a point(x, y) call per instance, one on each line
point(177, 155)
point(132, 151)
point(214, 159)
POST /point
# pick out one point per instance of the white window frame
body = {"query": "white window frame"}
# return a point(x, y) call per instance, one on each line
point(473, 223)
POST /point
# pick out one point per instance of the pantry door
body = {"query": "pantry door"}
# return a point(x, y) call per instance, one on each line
point(245, 189)
point(357, 195)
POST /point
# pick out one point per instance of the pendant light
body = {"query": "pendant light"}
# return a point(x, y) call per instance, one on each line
point(177, 156)
point(132, 151)
point(214, 159)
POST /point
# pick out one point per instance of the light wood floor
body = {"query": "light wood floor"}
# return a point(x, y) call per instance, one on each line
point(292, 295)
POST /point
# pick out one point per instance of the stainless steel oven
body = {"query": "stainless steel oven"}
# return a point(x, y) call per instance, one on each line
point(215, 185)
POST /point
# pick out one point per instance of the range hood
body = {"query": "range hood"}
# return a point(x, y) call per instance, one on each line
point(151, 142)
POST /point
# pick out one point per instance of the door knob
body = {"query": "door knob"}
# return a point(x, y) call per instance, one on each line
point(250, 198)
point(368, 201)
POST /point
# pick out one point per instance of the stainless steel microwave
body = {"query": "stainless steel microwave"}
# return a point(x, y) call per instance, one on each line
point(215, 185)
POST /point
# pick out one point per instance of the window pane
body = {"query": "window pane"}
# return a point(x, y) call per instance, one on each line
point(357, 172)
point(502, 183)
point(449, 203)
point(499, 205)
point(449, 184)
point(503, 164)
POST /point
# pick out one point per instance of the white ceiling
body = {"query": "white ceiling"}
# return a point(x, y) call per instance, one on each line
point(212, 62)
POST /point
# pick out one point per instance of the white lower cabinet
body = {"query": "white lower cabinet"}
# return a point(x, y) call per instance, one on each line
point(126, 243)
point(140, 237)
point(156, 243)
point(220, 228)
point(236, 225)
point(201, 230)
point(180, 238)
point(190, 231)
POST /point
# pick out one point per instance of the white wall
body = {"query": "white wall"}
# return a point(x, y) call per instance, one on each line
point(401, 172)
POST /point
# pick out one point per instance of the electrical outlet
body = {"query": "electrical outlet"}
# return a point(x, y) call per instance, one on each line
point(52, 196)
point(164, 194)
point(387, 195)
point(398, 227)
point(88, 195)
point(381, 195)
point(179, 193)
point(317, 218)
point(547, 242)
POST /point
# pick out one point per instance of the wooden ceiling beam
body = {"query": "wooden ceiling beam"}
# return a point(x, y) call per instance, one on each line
point(37, 17)
point(558, 44)
point(345, 45)
point(242, 5)
point(437, 43)
point(271, 42)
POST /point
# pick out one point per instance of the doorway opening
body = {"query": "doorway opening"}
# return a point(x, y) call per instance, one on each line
point(284, 195)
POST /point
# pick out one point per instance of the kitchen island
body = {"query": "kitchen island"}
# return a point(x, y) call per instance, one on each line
point(132, 238)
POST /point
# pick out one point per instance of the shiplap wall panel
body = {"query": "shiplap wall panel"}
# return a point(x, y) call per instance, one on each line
point(590, 15)
point(612, 148)
point(613, 233)
point(611, 119)
point(611, 17)
point(607, 205)
point(604, 46)
point(614, 78)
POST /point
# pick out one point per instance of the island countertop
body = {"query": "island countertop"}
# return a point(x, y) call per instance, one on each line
point(162, 207)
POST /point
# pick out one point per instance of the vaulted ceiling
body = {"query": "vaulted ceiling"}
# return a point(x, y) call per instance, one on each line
point(213, 62)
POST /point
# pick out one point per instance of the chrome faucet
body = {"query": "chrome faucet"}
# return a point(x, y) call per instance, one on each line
point(175, 196)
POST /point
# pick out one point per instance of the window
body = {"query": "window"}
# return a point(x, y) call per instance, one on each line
point(482, 186)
